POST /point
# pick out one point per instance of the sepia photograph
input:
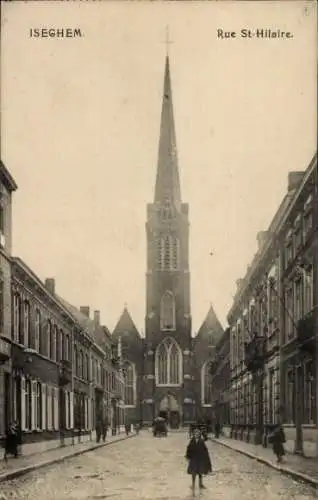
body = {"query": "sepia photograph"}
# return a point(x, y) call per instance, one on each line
point(158, 250)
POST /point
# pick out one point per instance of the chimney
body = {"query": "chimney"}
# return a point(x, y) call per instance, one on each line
point(294, 179)
point(97, 318)
point(50, 285)
point(261, 238)
point(85, 310)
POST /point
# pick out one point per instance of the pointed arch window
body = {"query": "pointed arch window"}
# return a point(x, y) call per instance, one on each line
point(206, 384)
point(167, 312)
point(130, 385)
point(168, 363)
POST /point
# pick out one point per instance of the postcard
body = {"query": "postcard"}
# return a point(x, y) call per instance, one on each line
point(158, 250)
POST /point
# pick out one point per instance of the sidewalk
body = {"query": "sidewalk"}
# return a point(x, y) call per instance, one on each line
point(16, 467)
point(300, 468)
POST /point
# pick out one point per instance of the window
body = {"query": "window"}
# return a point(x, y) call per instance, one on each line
point(298, 300)
point(166, 210)
point(67, 347)
point(210, 339)
point(16, 317)
point(53, 343)
point(308, 218)
point(206, 384)
point(252, 318)
point(167, 312)
point(87, 366)
point(297, 238)
point(38, 408)
point(62, 347)
point(37, 331)
point(57, 344)
point(288, 253)
point(81, 364)
point(272, 397)
point(26, 324)
point(76, 360)
point(175, 253)
point(1, 305)
point(53, 406)
point(166, 253)
point(308, 290)
point(272, 306)
point(130, 385)
point(49, 340)
point(168, 363)
point(309, 393)
point(2, 219)
point(28, 405)
point(291, 397)
point(289, 325)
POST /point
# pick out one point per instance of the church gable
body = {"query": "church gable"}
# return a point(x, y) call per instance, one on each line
point(211, 329)
point(126, 328)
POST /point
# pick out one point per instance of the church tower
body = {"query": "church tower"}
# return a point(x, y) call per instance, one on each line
point(168, 314)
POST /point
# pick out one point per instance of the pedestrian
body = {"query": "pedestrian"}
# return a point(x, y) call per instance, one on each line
point(104, 429)
point(277, 439)
point(199, 462)
point(12, 441)
point(217, 429)
point(127, 429)
point(137, 428)
point(98, 431)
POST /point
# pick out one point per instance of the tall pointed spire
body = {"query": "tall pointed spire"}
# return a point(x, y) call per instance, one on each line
point(167, 182)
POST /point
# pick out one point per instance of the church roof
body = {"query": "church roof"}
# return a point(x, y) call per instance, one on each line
point(167, 181)
point(211, 325)
point(125, 326)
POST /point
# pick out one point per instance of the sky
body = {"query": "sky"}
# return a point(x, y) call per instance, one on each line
point(80, 128)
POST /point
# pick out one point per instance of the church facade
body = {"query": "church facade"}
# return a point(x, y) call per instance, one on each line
point(168, 370)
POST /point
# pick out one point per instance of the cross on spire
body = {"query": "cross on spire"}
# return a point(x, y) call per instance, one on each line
point(167, 40)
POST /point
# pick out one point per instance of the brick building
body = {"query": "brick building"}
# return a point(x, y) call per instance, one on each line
point(273, 324)
point(168, 369)
point(220, 369)
point(7, 187)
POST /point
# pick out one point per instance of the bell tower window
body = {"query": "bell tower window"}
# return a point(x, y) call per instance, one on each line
point(168, 253)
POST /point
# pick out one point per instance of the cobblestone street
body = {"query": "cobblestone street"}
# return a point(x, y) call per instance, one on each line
point(153, 468)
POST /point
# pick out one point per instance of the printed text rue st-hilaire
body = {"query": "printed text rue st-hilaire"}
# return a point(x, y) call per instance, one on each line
point(253, 33)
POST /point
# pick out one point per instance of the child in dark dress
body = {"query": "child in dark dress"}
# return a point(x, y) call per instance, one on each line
point(198, 457)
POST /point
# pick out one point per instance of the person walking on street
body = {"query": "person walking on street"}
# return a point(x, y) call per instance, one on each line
point(12, 441)
point(104, 429)
point(277, 438)
point(217, 429)
point(199, 462)
point(98, 431)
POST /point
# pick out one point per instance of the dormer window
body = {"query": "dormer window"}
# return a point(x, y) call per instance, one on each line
point(166, 211)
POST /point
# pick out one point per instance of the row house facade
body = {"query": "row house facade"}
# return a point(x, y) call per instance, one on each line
point(99, 380)
point(220, 381)
point(7, 187)
point(61, 376)
point(273, 324)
